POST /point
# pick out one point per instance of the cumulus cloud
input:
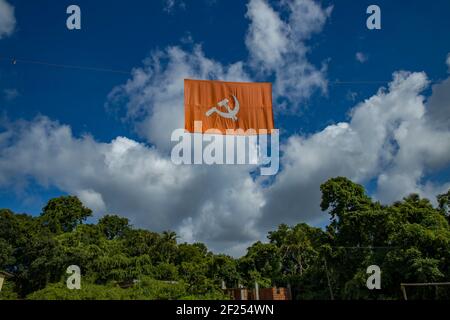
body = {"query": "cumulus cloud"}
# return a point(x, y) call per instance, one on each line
point(394, 138)
point(439, 104)
point(91, 199)
point(154, 95)
point(279, 46)
point(390, 138)
point(268, 34)
point(7, 19)
point(217, 205)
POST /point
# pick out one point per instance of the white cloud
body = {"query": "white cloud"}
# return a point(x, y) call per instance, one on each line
point(92, 200)
point(394, 137)
point(389, 138)
point(439, 105)
point(7, 19)
point(278, 46)
point(361, 57)
point(307, 17)
point(267, 37)
point(154, 96)
point(218, 205)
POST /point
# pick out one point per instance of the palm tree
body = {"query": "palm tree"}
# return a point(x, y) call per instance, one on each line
point(168, 245)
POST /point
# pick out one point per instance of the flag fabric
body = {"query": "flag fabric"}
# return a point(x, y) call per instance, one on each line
point(227, 106)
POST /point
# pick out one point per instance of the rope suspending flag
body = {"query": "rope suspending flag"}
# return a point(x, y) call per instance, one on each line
point(227, 106)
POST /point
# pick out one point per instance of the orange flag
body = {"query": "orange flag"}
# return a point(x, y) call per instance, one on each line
point(227, 106)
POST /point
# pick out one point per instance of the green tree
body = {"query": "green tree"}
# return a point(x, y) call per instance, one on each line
point(298, 246)
point(168, 246)
point(6, 254)
point(63, 214)
point(444, 204)
point(409, 240)
point(262, 263)
point(224, 268)
point(114, 226)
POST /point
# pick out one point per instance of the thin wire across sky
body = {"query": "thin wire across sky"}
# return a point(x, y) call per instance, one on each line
point(16, 61)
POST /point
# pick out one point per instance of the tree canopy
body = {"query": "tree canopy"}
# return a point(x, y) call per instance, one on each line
point(409, 240)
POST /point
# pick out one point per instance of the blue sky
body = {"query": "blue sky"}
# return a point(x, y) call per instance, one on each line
point(120, 35)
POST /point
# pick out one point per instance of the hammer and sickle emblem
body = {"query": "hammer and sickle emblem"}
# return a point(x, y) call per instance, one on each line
point(231, 114)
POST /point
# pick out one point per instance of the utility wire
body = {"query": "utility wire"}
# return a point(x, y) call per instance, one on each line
point(337, 82)
point(16, 61)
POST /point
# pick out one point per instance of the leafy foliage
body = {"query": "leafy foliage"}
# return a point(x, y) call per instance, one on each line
point(63, 214)
point(409, 240)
